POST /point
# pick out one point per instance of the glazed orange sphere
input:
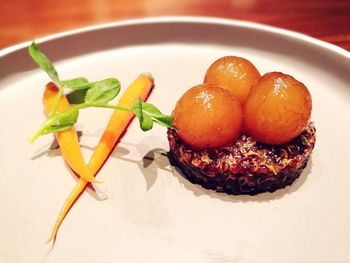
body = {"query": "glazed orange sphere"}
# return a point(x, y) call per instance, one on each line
point(278, 109)
point(208, 116)
point(235, 74)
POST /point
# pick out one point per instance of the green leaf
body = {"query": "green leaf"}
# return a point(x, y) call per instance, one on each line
point(56, 123)
point(77, 96)
point(103, 91)
point(43, 62)
point(137, 108)
point(150, 109)
point(76, 83)
point(157, 116)
point(146, 122)
point(60, 121)
point(166, 121)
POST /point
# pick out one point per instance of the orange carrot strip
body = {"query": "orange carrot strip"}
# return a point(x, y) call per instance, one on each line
point(68, 139)
point(118, 122)
point(78, 189)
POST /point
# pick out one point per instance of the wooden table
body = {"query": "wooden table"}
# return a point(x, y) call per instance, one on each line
point(328, 20)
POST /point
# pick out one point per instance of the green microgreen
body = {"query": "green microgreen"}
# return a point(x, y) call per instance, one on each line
point(84, 94)
point(76, 83)
point(145, 120)
point(103, 91)
point(43, 62)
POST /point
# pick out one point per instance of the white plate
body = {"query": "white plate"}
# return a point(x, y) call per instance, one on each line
point(153, 214)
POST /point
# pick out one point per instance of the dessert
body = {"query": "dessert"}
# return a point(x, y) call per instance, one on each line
point(268, 152)
point(278, 109)
point(234, 74)
point(222, 112)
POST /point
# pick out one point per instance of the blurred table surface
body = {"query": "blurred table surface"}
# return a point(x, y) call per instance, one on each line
point(23, 20)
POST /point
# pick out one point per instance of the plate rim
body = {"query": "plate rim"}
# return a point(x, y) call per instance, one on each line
point(184, 19)
point(244, 252)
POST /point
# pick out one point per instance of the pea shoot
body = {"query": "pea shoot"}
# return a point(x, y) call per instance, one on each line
point(84, 94)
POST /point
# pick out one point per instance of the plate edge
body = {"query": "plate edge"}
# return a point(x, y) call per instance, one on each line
point(184, 19)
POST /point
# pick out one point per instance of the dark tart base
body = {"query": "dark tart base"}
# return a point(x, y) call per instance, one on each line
point(246, 167)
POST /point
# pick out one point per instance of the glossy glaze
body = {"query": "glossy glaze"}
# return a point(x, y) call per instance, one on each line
point(235, 74)
point(278, 109)
point(207, 117)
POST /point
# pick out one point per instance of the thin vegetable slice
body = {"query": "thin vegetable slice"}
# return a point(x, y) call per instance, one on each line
point(119, 120)
point(118, 123)
point(67, 139)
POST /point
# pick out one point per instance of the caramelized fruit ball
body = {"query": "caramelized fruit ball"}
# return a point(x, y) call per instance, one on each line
point(278, 109)
point(208, 116)
point(235, 74)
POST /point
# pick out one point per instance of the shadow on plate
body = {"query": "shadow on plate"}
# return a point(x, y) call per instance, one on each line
point(98, 192)
point(157, 159)
point(153, 161)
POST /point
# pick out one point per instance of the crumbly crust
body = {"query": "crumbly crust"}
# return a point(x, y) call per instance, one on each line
point(246, 167)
